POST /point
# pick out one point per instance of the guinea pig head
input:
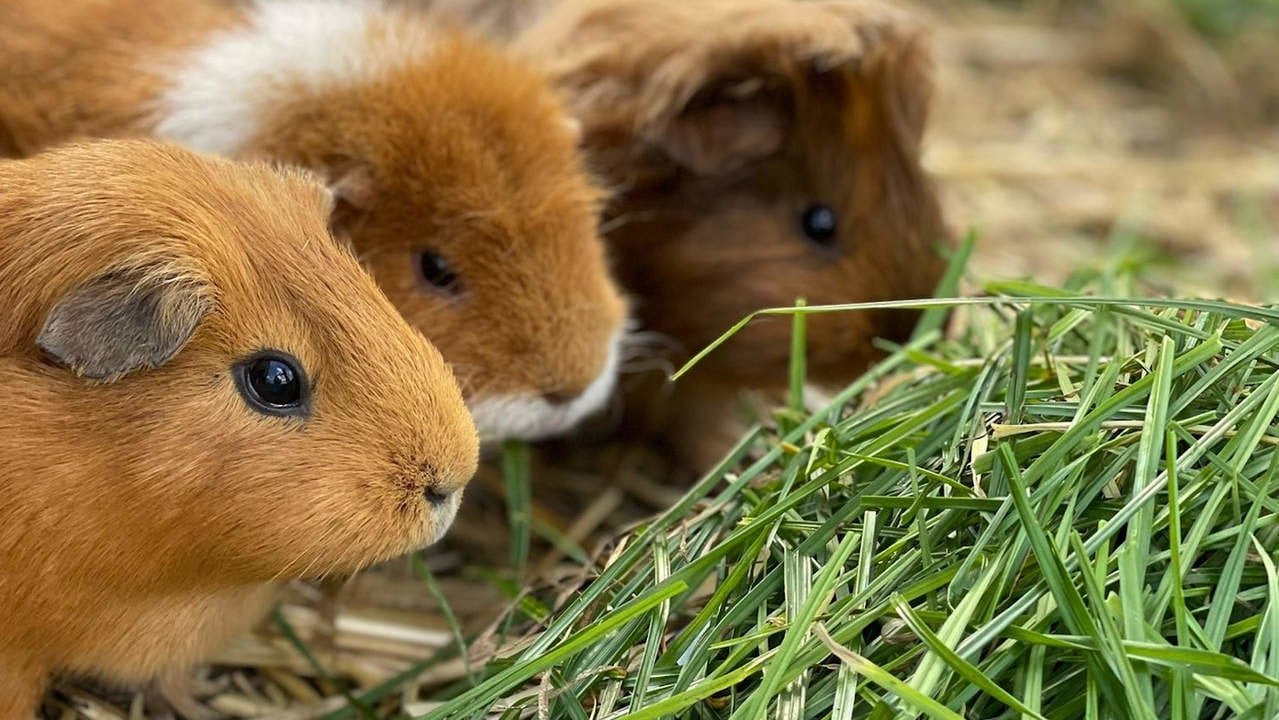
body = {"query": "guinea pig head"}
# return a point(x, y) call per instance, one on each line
point(213, 391)
point(763, 151)
point(460, 188)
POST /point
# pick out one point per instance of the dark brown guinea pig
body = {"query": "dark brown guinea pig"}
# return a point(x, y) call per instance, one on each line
point(203, 394)
point(761, 151)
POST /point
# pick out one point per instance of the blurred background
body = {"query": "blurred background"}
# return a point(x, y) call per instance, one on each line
point(1069, 128)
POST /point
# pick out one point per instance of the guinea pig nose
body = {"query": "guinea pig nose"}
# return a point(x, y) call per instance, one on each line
point(434, 496)
point(559, 397)
point(434, 489)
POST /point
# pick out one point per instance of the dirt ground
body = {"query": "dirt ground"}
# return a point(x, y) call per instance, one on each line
point(1062, 131)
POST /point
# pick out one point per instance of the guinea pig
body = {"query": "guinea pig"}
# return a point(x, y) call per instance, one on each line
point(454, 164)
point(204, 394)
point(762, 151)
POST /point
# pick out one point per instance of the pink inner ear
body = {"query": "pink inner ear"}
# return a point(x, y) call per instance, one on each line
point(726, 134)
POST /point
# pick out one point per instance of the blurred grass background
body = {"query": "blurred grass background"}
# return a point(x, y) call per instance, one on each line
point(1224, 18)
point(1216, 19)
point(1064, 130)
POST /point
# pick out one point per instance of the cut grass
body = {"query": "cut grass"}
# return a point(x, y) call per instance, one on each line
point(1066, 509)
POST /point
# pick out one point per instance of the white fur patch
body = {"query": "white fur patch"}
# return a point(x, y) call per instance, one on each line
point(531, 417)
point(444, 516)
point(222, 88)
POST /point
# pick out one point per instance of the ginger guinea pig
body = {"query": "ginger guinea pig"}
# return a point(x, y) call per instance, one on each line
point(454, 165)
point(763, 151)
point(203, 393)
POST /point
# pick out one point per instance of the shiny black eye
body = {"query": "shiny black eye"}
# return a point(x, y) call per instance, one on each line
point(818, 224)
point(437, 271)
point(272, 383)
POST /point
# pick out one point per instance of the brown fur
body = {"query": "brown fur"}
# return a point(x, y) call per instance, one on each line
point(478, 176)
point(145, 516)
point(718, 122)
point(73, 70)
point(465, 152)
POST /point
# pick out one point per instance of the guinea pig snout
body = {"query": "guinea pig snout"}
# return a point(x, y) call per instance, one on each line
point(435, 497)
point(568, 382)
point(425, 480)
point(434, 489)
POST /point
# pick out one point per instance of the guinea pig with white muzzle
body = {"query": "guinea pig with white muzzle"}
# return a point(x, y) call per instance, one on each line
point(204, 394)
point(762, 151)
point(454, 165)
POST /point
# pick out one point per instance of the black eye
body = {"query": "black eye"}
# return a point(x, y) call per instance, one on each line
point(437, 271)
point(272, 383)
point(818, 223)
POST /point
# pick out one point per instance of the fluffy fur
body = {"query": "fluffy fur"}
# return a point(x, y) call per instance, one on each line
point(225, 88)
point(719, 122)
point(147, 513)
point(431, 142)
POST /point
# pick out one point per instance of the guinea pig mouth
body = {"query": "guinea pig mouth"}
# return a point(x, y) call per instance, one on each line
point(534, 417)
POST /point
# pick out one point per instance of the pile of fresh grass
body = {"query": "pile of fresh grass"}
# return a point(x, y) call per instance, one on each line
point(1067, 508)
point(1063, 507)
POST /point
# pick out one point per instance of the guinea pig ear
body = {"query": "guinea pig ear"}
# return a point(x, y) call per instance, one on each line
point(574, 128)
point(351, 182)
point(908, 88)
point(723, 129)
point(123, 321)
